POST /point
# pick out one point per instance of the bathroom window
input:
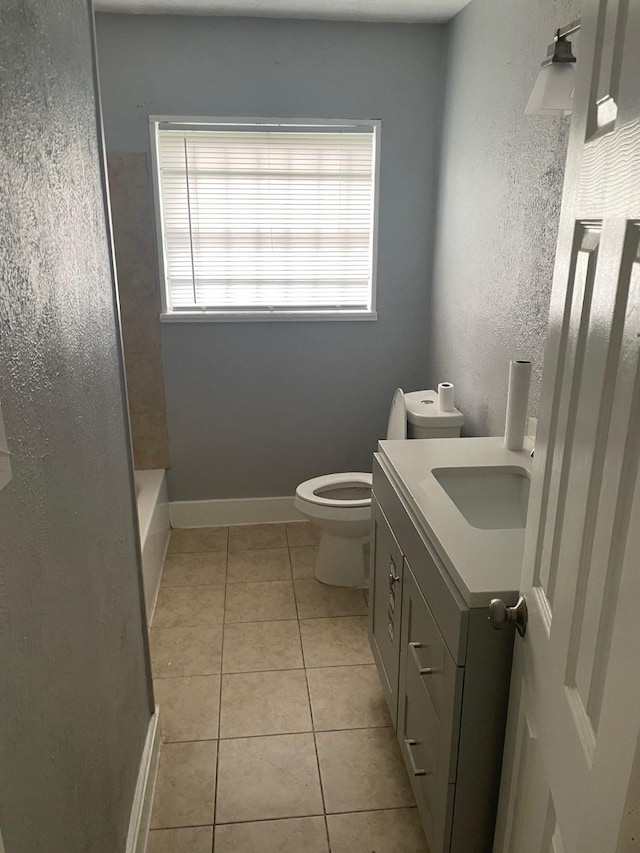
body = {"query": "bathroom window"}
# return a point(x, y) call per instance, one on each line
point(266, 219)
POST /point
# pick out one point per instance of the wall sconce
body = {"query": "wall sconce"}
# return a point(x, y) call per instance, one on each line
point(553, 90)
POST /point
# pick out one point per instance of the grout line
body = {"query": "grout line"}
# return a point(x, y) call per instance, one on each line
point(304, 664)
point(271, 819)
point(261, 548)
point(252, 621)
point(324, 804)
point(192, 585)
point(197, 551)
point(341, 616)
point(193, 625)
point(384, 809)
point(190, 675)
point(215, 787)
point(301, 817)
point(310, 731)
point(315, 742)
point(165, 585)
point(295, 594)
point(191, 740)
point(284, 669)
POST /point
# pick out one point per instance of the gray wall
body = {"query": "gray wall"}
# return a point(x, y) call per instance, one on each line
point(499, 206)
point(255, 408)
point(75, 701)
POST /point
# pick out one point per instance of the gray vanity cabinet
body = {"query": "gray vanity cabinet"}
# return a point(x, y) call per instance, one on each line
point(385, 605)
point(445, 674)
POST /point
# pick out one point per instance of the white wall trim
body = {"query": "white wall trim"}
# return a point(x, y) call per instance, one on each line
point(215, 513)
point(145, 789)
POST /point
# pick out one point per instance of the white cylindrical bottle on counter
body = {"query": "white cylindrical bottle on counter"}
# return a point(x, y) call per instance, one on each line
point(517, 404)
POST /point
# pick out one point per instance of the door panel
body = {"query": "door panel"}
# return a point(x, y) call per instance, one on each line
point(574, 716)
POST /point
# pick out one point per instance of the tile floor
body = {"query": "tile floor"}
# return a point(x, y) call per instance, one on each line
point(276, 737)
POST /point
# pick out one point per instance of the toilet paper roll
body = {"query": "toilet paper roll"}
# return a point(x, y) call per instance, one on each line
point(517, 404)
point(445, 397)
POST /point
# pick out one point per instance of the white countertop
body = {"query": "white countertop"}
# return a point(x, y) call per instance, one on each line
point(483, 564)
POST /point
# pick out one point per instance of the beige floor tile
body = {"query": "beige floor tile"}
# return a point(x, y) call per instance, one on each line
point(362, 769)
point(198, 539)
point(195, 569)
point(260, 602)
point(264, 703)
point(347, 697)
point(245, 536)
point(335, 642)
point(301, 533)
point(315, 599)
point(188, 606)
point(264, 564)
point(268, 777)
point(296, 835)
point(177, 652)
point(256, 646)
point(188, 707)
point(191, 839)
point(392, 831)
point(186, 783)
point(303, 561)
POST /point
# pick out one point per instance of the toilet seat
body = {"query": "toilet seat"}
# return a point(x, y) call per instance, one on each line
point(308, 491)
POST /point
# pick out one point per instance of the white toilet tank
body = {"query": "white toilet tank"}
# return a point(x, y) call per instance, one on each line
point(425, 420)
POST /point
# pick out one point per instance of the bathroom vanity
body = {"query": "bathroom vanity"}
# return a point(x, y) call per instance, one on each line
point(447, 537)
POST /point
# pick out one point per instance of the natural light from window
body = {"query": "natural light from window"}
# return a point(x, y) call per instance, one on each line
point(266, 220)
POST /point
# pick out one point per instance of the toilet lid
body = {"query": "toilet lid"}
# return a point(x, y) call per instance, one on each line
point(311, 490)
point(397, 426)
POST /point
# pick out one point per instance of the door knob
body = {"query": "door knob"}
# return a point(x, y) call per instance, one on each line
point(501, 615)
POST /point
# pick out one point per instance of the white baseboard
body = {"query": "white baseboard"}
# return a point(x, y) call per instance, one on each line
point(216, 513)
point(145, 789)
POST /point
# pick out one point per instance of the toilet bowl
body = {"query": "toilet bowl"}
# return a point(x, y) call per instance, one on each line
point(340, 504)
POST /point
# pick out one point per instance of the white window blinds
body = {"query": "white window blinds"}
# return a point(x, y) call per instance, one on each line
point(277, 219)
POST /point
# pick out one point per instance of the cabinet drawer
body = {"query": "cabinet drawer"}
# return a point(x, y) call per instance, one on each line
point(429, 713)
point(422, 738)
point(385, 606)
point(426, 653)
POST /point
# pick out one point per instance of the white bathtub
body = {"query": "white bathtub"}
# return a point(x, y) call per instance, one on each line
point(153, 518)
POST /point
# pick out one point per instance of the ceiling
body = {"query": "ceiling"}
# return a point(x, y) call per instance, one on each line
point(407, 11)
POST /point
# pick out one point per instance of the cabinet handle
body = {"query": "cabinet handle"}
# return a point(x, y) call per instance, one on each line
point(393, 577)
point(422, 670)
point(417, 771)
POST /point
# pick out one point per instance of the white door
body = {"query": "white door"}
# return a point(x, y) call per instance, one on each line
point(568, 782)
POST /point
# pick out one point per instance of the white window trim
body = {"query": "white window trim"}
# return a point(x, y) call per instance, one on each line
point(209, 316)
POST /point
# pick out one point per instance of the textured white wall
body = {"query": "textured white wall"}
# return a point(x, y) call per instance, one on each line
point(499, 206)
point(75, 692)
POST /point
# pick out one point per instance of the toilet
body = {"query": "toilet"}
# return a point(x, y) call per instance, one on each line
point(340, 504)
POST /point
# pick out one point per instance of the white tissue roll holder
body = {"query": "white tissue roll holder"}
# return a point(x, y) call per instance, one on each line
point(445, 397)
point(517, 404)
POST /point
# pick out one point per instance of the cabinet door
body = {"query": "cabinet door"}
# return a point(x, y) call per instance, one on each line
point(430, 691)
point(385, 605)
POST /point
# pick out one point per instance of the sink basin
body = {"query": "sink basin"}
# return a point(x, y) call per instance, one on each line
point(490, 498)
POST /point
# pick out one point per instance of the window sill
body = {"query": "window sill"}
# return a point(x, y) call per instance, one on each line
point(267, 316)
